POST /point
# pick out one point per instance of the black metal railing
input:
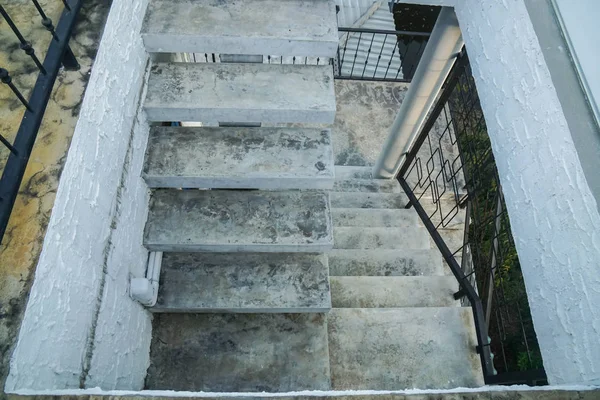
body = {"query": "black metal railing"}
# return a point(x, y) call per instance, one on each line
point(57, 54)
point(378, 55)
point(451, 179)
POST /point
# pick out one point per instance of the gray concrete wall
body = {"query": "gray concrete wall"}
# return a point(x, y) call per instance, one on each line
point(574, 102)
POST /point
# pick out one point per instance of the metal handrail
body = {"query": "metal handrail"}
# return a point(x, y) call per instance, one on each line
point(58, 53)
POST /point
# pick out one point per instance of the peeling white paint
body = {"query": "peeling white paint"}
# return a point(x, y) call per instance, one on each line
point(84, 260)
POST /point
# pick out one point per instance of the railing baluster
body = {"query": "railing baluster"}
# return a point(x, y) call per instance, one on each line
point(25, 45)
point(7, 79)
point(8, 145)
point(67, 6)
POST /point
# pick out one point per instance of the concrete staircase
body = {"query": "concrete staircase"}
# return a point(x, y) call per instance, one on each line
point(248, 277)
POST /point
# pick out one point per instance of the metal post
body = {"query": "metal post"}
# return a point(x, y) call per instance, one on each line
point(442, 48)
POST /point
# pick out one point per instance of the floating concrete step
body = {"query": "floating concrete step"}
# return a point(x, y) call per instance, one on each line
point(261, 158)
point(239, 353)
point(343, 172)
point(368, 185)
point(403, 348)
point(393, 291)
point(368, 200)
point(243, 283)
point(406, 262)
point(232, 220)
point(369, 218)
point(240, 93)
point(380, 238)
point(283, 27)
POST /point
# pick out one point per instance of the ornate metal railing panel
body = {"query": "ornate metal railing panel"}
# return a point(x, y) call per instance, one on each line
point(58, 54)
point(451, 179)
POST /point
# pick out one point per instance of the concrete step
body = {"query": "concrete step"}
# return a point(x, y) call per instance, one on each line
point(351, 172)
point(243, 283)
point(368, 200)
point(380, 238)
point(385, 262)
point(238, 220)
point(393, 291)
point(370, 218)
point(258, 158)
point(368, 185)
point(240, 93)
point(283, 27)
point(239, 353)
point(403, 348)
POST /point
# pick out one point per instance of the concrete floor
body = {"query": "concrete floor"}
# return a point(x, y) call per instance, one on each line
point(23, 240)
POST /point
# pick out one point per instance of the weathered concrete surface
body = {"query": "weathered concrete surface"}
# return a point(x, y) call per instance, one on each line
point(538, 393)
point(380, 238)
point(393, 291)
point(243, 283)
point(368, 218)
point(24, 236)
point(385, 262)
point(401, 348)
point(230, 221)
point(365, 112)
point(240, 93)
point(368, 200)
point(352, 172)
point(282, 27)
point(239, 352)
point(368, 185)
point(255, 158)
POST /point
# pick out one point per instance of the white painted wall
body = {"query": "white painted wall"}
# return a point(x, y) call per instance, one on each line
point(78, 307)
point(581, 30)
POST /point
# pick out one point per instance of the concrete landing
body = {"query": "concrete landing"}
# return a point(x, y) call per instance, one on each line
point(368, 200)
point(239, 352)
point(240, 93)
point(380, 238)
point(255, 158)
point(243, 283)
point(368, 185)
point(385, 262)
point(403, 348)
point(231, 221)
point(282, 27)
point(393, 218)
point(393, 291)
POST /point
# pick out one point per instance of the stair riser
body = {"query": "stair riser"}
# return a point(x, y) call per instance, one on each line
point(385, 263)
point(368, 200)
point(380, 238)
point(359, 217)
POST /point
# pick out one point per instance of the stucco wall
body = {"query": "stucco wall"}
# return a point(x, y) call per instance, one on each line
point(82, 259)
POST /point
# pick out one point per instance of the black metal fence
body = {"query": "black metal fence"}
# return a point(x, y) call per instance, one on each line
point(378, 55)
point(57, 54)
point(451, 179)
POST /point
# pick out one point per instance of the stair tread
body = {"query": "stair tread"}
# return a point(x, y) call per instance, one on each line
point(238, 220)
point(367, 185)
point(239, 352)
point(368, 200)
point(248, 27)
point(238, 157)
point(240, 93)
point(380, 238)
point(243, 282)
point(393, 291)
point(380, 262)
point(373, 217)
point(403, 348)
point(353, 172)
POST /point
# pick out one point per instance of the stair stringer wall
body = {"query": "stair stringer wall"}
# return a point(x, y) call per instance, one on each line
point(80, 328)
